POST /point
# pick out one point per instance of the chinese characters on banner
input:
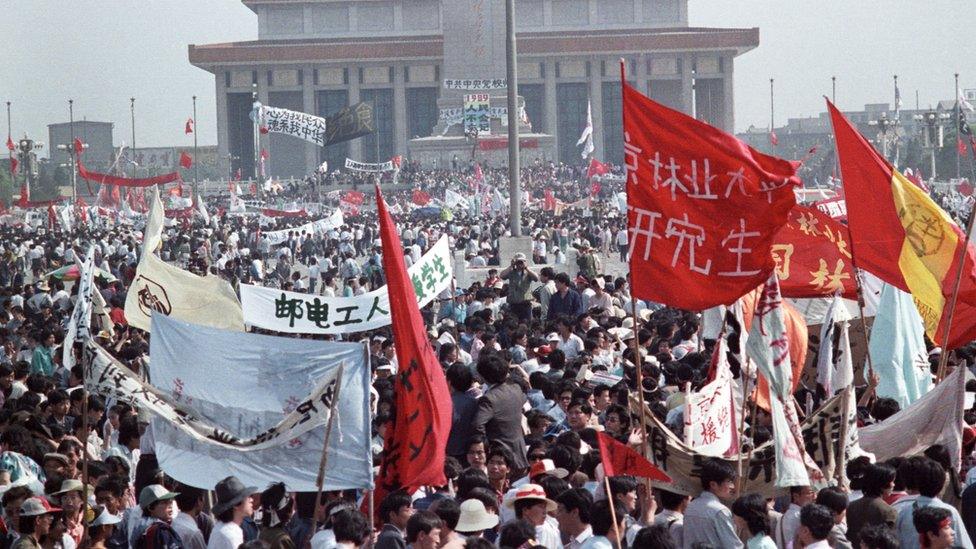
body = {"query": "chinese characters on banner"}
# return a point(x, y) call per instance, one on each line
point(369, 167)
point(349, 123)
point(836, 208)
point(813, 256)
point(299, 124)
point(477, 113)
point(298, 313)
point(710, 413)
point(702, 207)
point(475, 84)
point(319, 227)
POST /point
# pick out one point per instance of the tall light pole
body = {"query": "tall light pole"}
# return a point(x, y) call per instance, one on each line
point(74, 171)
point(833, 90)
point(514, 188)
point(196, 188)
point(132, 109)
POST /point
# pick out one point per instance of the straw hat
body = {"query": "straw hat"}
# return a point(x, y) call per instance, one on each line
point(531, 492)
point(474, 517)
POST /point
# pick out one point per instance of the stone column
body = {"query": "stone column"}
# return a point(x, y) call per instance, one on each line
point(728, 120)
point(596, 104)
point(552, 125)
point(687, 85)
point(399, 110)
point(356, 145)
point(223, 139)
point(308, 105)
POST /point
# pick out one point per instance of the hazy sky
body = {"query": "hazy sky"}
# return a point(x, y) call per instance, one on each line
point(102, 52)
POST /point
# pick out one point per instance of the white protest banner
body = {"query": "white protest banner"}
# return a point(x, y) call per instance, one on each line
point(298, 313)
point(821, 435)
point(368, 167)
point(768, 347)
point(710, 413)
point(299, 124)
point(454, 199)
point(319, 227)
point(475, 83)
point(476, 113)
point(110, 378)
point(168, 290)
point(79, 325)
point(935, 418)
point(248, 384)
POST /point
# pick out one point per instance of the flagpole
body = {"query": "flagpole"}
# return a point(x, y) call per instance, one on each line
point(771, 111)
point(944, 357)
point(958, 136)
point(613, 511)
point(132, 110)
point(320, 479)
point(842, 459)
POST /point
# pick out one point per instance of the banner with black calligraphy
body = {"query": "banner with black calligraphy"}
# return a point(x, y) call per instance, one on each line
point(298, 313)
point(252, 387)
point(299, 124)
point(349, 123)
point(702, 207)
point(317, 228)
point(368, 166)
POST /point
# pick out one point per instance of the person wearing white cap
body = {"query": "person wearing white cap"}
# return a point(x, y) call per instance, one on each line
point(531, 504)
point(100, 528)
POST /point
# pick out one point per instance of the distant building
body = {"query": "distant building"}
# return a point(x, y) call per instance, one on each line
point(98, 135)
point(318, 56)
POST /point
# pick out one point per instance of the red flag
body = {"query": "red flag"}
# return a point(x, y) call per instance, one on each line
point(549, 200)
point(813, 256)
point(189, 126)
point(414, 449)
point(773, 138)
point(353, 197)
point(14, 163)
point(10, 144)
point(420, 198)
point(596, 168)
point(24, 194)
point(703, 207)
point(961, 147)
point(79, 146)
point(619, 459)
point(479, 175)
point(397, 161)
point(965, 188)
point(82, 209)
point(52, 217)
point(186, 161)
point(264, 154)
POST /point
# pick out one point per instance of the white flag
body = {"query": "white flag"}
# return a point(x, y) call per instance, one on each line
point(835, 368)
point(586, 138)
point(964, 104)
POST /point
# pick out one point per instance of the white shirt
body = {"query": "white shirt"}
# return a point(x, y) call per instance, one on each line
point(323, 539)
point(571, 347)
point(547, 534)
point(226, 535)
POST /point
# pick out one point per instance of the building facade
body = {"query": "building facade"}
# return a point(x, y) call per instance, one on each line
point(318, 56)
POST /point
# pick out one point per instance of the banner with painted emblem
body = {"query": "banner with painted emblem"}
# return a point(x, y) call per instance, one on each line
point(252, 385)
point(298, 313)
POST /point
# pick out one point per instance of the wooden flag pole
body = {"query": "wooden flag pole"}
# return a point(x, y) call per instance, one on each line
point(842, 458)
point(84, 456)
point(613, 512)
point(320, 479)
point(640, 380)
point(944, 357)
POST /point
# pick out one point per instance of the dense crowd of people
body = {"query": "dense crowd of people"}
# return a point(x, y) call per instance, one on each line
point(521, 346)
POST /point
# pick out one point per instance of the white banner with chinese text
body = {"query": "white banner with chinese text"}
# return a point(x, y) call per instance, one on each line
point(475, 83)
point(298, 313)
point(299, 124)
point(319, 227)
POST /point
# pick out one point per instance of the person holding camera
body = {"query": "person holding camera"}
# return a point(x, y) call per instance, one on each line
point(520, 279)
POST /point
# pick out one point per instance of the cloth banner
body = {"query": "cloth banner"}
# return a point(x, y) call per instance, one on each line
point(168, 290)
point(475, 84)
point(835, 365)
point(108, 179)
point(454, 199)
point(298, 124)
point(821, 435)
point(298, 313)
point(897, 348)
point(369, 167)
point(79, 325)
point(768, 347)
point(477, 117)
point(813, 256)
point(271, 212)
point(710, 424)
point(936, 418)
point(251, 385)
point(703, 207)
point(321, 226)
point(349, 123)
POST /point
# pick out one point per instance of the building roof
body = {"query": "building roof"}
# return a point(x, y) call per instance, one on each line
point(431, 47)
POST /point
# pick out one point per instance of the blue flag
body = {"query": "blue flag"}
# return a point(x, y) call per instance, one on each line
point(897, 348)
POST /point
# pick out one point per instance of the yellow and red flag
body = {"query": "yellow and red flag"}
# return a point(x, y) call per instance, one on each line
point(901, 236)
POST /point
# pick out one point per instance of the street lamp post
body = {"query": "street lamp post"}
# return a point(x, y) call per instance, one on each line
point(71, 156)
point(932, 133)
point(196, 160)
point(884, 125)
point(132, 110)
point(514, 189)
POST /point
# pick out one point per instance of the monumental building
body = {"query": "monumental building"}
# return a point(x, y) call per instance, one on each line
point(318, 56)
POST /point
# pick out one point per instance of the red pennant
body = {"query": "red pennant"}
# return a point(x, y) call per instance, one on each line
point(264, 154)
point(961, 147)
point(79, 146)
point(353, 197)
point(596, 168)
point(773, 139)
point(619, 459)
point(14, 163)
point(703, 207)
point(10, 144)
point(186, 161)
point(414, 449)
point(52, 217)
point(189, 126)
